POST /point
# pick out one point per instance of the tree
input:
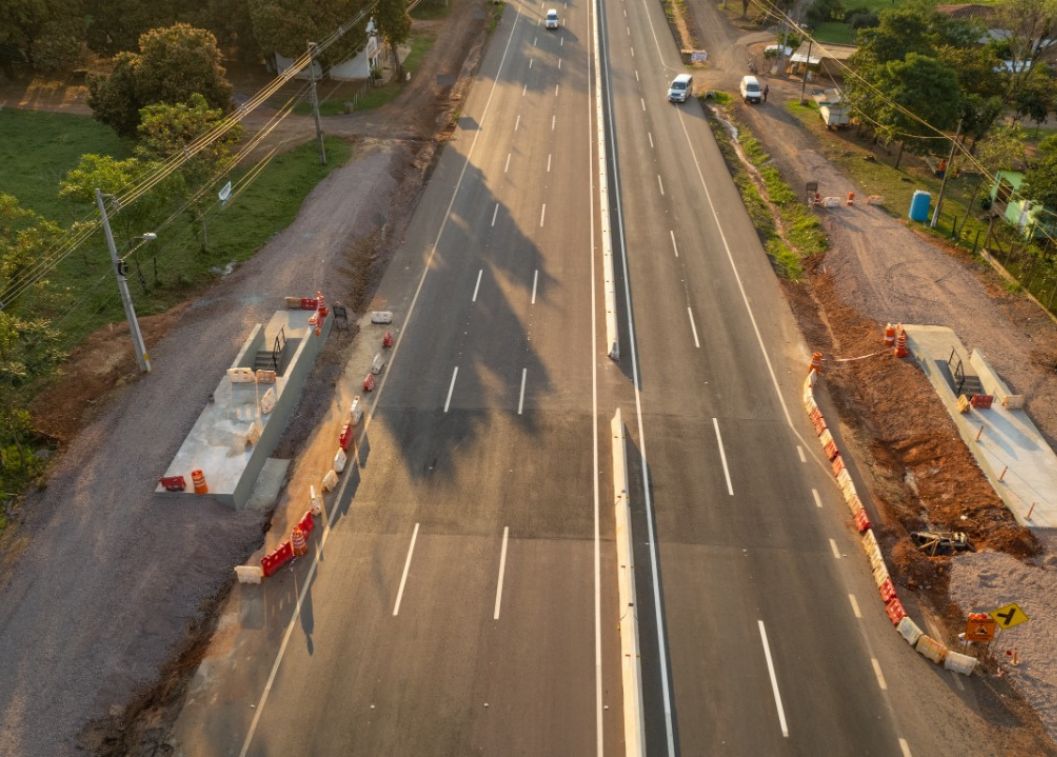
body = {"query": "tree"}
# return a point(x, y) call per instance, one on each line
point(1040, 180)
point(173, 64)
point(287, 26)
point(1027, 25)
point(47, 34)
point(394, 24)
point(921, 85)
point(167, 129)
point(116, 25)
point(1035, 99)
point(1003, 148)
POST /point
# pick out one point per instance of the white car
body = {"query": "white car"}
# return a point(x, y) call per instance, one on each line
point(681, 88)
point(551, 20)
point(751, 91)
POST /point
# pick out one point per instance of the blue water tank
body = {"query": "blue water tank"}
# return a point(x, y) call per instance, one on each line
point(919, 206)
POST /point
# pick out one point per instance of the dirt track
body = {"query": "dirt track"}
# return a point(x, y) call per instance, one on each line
point(113, 576)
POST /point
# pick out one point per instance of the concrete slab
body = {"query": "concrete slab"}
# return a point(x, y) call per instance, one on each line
point(1004, 440)
point(268, 485)
point(219, 443)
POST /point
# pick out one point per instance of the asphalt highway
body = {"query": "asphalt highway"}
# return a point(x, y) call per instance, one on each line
point(465, 600)
point(458, 605)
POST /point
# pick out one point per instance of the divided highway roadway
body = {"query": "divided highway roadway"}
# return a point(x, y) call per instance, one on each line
point(459, 604)
point(465, 599)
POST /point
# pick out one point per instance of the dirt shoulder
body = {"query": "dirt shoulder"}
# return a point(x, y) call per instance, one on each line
point(115, 587)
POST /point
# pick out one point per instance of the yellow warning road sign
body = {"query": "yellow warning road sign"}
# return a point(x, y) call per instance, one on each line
point(1009, 615)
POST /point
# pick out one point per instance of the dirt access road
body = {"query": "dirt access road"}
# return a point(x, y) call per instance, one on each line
point(113, 579)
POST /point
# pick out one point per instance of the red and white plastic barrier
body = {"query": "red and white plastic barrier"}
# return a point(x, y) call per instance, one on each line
point(925, 645)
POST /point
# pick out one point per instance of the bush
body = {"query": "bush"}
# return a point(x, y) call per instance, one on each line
point(822, 11)
point(861, 18)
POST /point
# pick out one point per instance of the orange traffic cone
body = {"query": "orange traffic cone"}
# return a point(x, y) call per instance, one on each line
point(901, 344)
point(298, 542)
point(816, 362)
point(890, 335)
point(199, 480)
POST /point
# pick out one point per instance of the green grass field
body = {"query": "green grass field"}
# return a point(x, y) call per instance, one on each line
point(37, 149)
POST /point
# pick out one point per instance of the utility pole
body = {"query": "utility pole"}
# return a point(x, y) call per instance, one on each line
point(122, 284)
point(946, 173)
point(315, 101)
point(807, 67)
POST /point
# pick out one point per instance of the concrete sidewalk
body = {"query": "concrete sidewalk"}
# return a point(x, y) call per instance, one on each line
point(1005, 442)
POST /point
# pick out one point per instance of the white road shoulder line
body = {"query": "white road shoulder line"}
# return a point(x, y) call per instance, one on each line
point(502, 572)
point(451, 388)
point(477, 286)
point(723, 456)
point(693, 326)
point(774, 680)
point(836, 550)
point(407, 568)
point(818, 499)
point(877, 672)
point(521, 398)
point(855, 606)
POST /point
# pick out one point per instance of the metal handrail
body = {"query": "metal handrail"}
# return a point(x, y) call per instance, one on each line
point(277, 348)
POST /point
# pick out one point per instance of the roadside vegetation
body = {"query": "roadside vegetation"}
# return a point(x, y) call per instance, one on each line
point(790, 232)
point(206, 198)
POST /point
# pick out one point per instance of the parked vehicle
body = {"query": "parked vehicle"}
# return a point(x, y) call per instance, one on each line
point(751, 91)
point(681, 88)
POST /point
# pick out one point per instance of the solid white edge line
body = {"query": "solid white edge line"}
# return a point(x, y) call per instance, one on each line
point(592, 82)
point(774, 680)
point(263, 700)
point(693, 326)
point(477, 286)
point(836, 550)
point(495, 212)
point(535, 280)
point(521, 398)
point(855, 606)
point(880, 676)
point(904, 747)
point(451, 388)
point(675, 247)
point(502, 572)
point(662, 644)
point(407, 568)
point(818, 498)
point(723, 456)
point(800, 453)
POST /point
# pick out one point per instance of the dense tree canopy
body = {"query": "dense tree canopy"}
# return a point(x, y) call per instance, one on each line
point(173, 64)
point(287, 26)
point(1040, 180)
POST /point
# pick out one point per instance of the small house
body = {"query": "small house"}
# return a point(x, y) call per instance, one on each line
point(1029, 217)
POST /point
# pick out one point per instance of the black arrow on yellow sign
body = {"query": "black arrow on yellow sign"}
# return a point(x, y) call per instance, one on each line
point(1006, 618)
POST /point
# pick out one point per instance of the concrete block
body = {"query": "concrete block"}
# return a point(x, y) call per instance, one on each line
point(241, 375)
point(268, 400)
point(960, 663)
point(930, 649)
point(377, 364)
point(265, 377)
point(315, 502)
point(340, 458)
point(1013, 402)
point(254, 434)
point(249, 574)
point(909, 630)
point(330, 480)
point(355, 411)
point(381, 316)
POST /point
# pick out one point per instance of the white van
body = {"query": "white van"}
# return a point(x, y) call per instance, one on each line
point(681, 88)
point(751, 91)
